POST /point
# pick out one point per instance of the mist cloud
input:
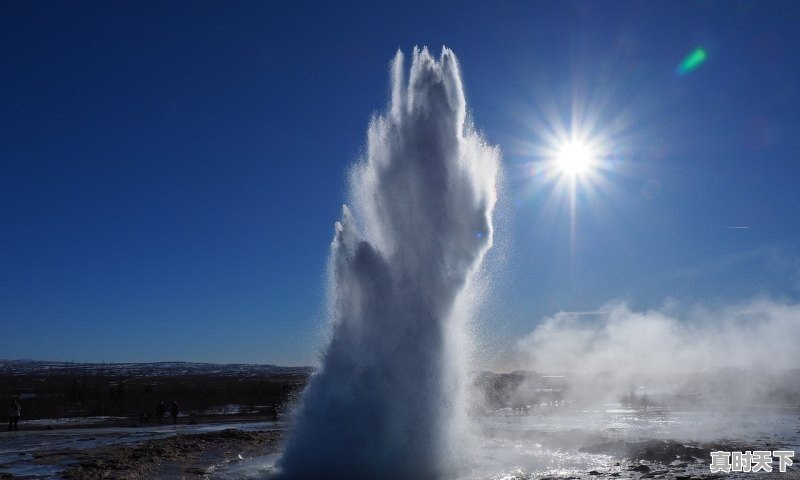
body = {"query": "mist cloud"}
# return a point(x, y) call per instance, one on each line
point(758, 334)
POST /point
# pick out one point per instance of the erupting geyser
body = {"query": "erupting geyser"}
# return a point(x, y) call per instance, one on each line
point(388, 400)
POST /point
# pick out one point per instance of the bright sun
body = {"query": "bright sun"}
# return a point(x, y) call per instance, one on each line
point(574, 159)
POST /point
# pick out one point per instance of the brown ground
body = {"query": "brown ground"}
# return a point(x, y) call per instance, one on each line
point(180, 456)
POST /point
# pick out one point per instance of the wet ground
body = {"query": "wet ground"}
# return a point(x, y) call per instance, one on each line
point(165, 451)
point(587, 444)
point(179, 456)
point(627, 444)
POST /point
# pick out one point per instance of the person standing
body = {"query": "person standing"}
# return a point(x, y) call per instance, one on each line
point(174, 410)
point(14, 412)
point(160, 409)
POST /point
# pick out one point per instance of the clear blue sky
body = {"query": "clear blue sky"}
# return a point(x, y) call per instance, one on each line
point(171, 171)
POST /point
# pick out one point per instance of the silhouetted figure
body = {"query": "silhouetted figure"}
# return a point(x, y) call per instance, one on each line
point(160, 410)
point(274, 411)
point(174, 410)
point(631, 399)
point(14, 412)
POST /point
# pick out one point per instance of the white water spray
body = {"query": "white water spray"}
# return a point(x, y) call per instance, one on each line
point(388, 400)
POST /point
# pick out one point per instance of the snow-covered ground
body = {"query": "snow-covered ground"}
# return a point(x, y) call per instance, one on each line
point(43, 422)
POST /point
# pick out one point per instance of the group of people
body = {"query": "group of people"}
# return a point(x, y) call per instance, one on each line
point(15, 411)
point(174, 410)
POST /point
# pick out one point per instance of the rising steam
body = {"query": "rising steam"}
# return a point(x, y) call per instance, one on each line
point(388, 400)
point(741, 353)
point(757, 334)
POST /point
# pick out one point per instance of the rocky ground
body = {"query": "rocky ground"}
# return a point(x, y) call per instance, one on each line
point(668, 459)
point(179, 456)
point(194, 455)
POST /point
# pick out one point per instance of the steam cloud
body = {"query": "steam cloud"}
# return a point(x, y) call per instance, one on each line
point(388, 400)
point(750, 348)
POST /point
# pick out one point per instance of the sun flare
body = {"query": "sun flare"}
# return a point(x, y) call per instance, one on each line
point(574, 159)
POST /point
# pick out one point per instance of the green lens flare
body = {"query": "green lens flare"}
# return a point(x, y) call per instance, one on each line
point(692, 62)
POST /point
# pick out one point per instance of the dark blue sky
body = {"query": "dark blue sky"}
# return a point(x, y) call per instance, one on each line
point(171, 171)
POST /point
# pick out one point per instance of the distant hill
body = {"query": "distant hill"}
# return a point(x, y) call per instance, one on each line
point(154, 369)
